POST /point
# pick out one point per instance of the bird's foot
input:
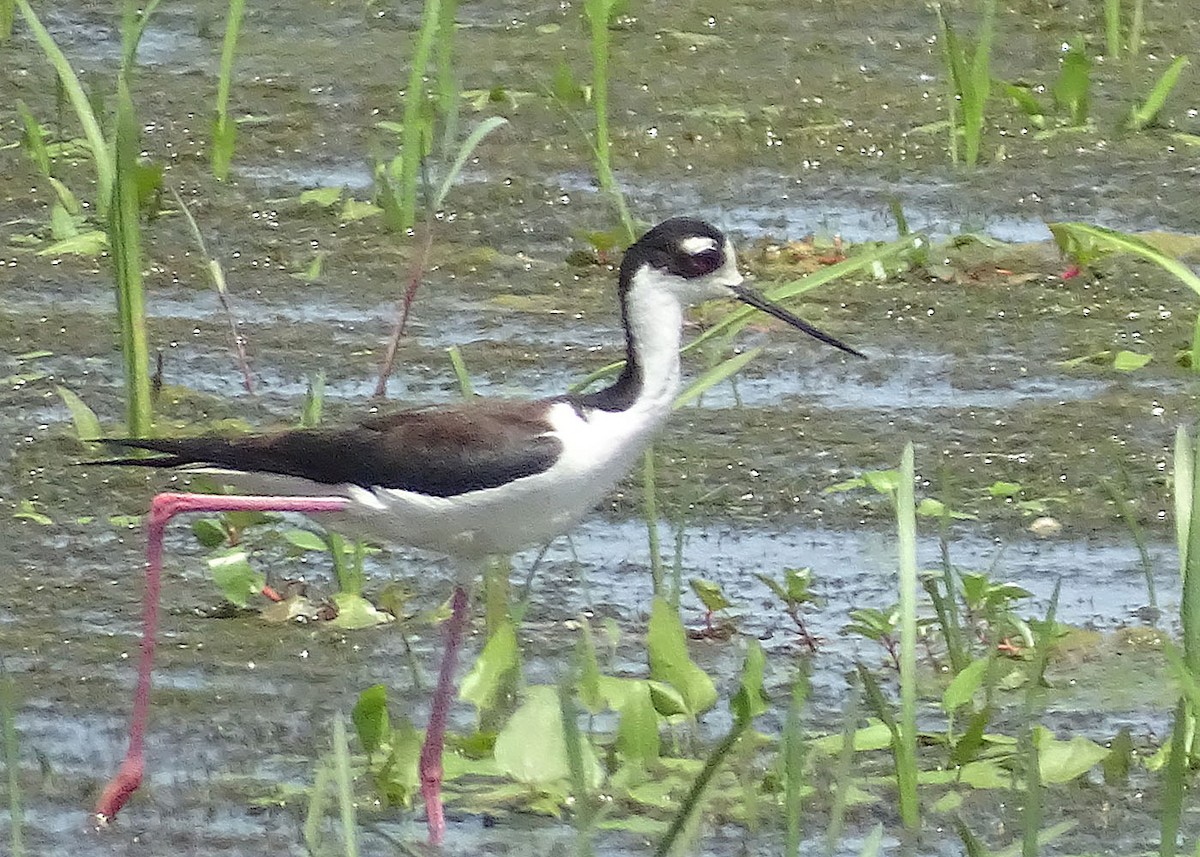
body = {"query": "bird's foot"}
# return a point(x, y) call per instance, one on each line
point(118, 791)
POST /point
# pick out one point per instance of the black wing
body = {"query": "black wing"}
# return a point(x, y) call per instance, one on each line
point(440, 452)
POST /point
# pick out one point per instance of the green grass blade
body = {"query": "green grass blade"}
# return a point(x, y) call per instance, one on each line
point(7, 14)
point(906, 747)
point(1174, 782)
point(1112, 27)
point(79, 101)
point(460, 372)
point(723, 371)
point(1085, 242)
point(980, 87)
point(345, 787)
point(224, 129)
point(598, 13)
point(414, 122)
point(650, 515)
point(125, 239)
point(1136, 23)
point(133, 27)
point(1189, 607)
point(1147, 111)
point(12, 762)
point(792, 750)
point(1184, 470)
point(465, 151)
point(447, 80)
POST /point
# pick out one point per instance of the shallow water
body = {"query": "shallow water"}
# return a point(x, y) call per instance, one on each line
point(802, 118)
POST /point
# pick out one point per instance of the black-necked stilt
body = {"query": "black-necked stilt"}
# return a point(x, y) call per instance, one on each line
point(470, 481)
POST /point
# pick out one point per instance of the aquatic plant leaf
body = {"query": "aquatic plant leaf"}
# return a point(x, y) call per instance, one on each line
point(532, 747)
point(355, 209)
point(323, 197)
point(710, 594)
point(1129, 361)
point(235, 577)
point(1146, 112)
point(1063, 761)
point(1119, 760)
point(883, 481)
point(963, 686)
point(87, 424)
point(968, 745)
point(209, 532)
point(477, 135)
point(90, 243)
point(370, 717)
point(750, 700)
point(1071, 90)
point(876, 736)
point(355, 612)
point(589, 670)
point(489, 673)
point(1085, 243)
point(670, 662)
point(1004, 489)
point(723, 371)
point(637, 730)
point(26, 511)
point(305, 540)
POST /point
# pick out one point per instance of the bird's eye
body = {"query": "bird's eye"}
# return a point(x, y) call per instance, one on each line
point(705, 262)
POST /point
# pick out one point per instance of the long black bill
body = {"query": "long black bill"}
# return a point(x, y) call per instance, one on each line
point(759, 302)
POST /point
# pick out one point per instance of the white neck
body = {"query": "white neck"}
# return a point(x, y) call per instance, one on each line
point(655, 320)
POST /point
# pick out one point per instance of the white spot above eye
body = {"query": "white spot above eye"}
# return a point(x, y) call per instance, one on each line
point(697, 244)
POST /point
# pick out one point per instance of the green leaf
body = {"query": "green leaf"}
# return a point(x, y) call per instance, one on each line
point(637, 731)
point(670, 662)
point(90, 243)
point(1085, 243)
point(209, 532)
point(709, 593)
point(87, 425)
point(1128, 361)
point(305, 540)
point(324, 197)
point(1004, 489)
point(723, 371)
point(589, 670)
point(750, 701)
point(62, 224)
point(963, 686)
point(488, 673)
point(1063, 761)
point(355, 612)
point(354, 209)
point(33, 140)
point(1120, 759)
point(26, 511)
point(1071, 90)
point(370, 717)
point(224, 139)
point(1145, 113)
point(234, 576)
point(465, 151)
point(532, 748)
point(883, 481)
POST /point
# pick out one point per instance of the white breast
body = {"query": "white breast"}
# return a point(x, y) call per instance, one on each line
point(599, 448)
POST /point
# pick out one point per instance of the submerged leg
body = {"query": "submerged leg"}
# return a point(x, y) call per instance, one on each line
point(162, 510)
point(435, 733)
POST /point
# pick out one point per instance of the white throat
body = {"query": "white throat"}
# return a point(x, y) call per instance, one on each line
point(655, 318)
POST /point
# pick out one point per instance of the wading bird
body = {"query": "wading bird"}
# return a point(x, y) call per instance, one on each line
point(469, 481)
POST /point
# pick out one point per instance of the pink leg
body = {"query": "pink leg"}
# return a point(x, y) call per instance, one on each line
point(435, 732)
point(163, 509)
